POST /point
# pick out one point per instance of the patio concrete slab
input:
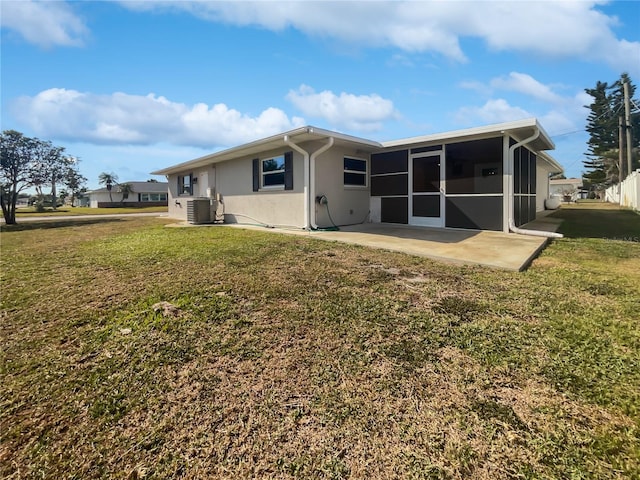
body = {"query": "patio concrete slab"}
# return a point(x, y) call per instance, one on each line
point(492, 249)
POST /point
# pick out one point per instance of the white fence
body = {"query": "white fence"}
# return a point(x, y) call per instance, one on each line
point(626, 193)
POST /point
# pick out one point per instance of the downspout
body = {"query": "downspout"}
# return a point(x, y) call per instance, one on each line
point(312, 181)
point(305, 156)
point(512, 226)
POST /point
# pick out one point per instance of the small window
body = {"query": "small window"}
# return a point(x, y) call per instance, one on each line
point(273, 172)
point(153, 197)
point(185, 184)
point(355, 172)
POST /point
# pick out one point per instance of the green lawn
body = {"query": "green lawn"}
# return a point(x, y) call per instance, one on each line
point(27, 212)
point(289, 357)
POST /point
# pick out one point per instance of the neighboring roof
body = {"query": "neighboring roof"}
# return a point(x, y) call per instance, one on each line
point(137, 187)
point(519, 129)
point(299, 135)
point(566, 181)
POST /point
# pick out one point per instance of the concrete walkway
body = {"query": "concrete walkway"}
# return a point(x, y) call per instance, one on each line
point(492, 249)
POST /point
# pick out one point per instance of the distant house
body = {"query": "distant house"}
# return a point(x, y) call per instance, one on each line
point(143, 194)
point(82, 201)
point(566, 189)
point(486, 178)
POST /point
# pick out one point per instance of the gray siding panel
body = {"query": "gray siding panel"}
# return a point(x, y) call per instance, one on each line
point(426, 205)
point(474, 212)
point(395, 210)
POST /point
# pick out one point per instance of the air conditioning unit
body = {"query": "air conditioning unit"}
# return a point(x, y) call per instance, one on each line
point(199, 211)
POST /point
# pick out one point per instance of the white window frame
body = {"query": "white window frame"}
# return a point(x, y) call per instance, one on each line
point(356, 172)
point(279, 186)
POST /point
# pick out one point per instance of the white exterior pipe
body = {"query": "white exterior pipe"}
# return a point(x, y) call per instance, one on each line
point(510, 193)
point(305, 156)
point(312, 181)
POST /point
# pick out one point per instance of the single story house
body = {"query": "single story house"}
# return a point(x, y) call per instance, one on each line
point(494, 177)
point(566, 189)
point(142, 194)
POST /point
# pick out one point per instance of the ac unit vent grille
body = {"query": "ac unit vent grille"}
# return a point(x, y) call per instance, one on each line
point(199, 211)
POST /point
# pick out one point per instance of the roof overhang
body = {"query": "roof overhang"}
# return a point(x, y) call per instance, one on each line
point(519, 129)
point(298, 136)
point(552, 162)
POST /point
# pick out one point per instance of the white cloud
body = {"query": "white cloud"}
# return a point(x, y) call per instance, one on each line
point(493, 111)
point(559, 29)
point(363, 113)
point(120, 118)
point(526, 84)
point(556, 122)
point(477, 87)
point(45, 24)
point(566, 114)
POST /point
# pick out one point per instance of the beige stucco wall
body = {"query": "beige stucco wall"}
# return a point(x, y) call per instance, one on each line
point(348, 205)
point(542, 184)
point(233, 181)
point(178, 203)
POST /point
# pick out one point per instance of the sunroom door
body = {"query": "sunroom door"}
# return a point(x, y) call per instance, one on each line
point(426, 207)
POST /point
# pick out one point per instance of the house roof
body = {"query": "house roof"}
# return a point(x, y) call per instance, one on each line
point(299, 135)
point(519, 129)
point(577, 182)
point(137, 187)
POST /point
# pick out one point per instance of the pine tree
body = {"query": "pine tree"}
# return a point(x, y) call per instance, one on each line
point(602, 124)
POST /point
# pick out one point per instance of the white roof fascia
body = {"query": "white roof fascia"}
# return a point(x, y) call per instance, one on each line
point(475, 132)
point(322, 133)
point(263, 144)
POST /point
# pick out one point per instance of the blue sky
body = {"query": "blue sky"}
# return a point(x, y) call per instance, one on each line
point(131, 87)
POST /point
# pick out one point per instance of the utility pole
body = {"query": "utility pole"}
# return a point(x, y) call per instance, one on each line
point(627, 124)
point(621, 154)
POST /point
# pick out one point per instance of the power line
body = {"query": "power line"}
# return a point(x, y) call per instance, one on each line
point(568, 133)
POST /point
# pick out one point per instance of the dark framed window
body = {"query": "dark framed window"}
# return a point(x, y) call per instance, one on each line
point(355, 172)
point(185, 184)
point(272, 172)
